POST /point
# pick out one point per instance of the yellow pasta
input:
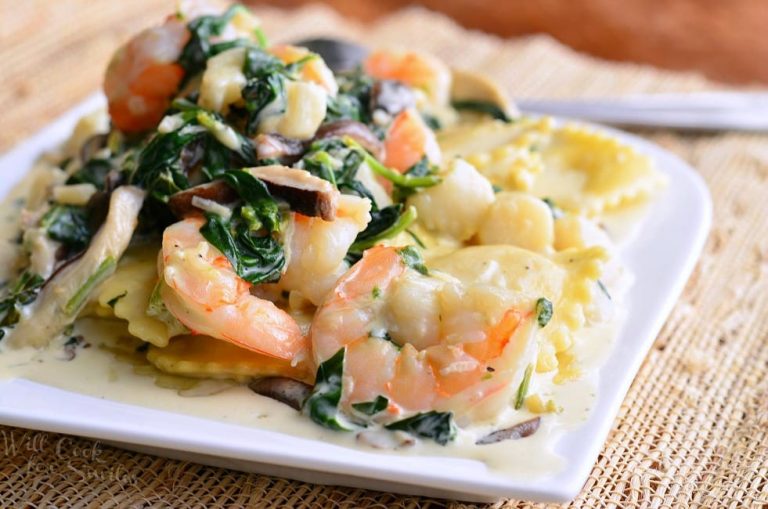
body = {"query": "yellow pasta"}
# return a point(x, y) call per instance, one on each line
point(128, 293)
point(204, 357)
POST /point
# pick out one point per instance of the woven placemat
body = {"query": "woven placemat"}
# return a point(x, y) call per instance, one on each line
point(693, 430)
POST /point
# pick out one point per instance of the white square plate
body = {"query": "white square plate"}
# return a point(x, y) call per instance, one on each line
point(662, 257)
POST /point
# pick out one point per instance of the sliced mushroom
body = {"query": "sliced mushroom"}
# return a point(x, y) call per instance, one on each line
point(305, 193)
point(285, 390)
point(355, 130)
point(181, 203)
point(471, 86)
point(67, 292)
point(516, 432)
point(275, 146)
point(391, 97)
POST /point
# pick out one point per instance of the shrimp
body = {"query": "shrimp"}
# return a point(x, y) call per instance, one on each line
point(203, 292)
point(143, 76)
point(408, 140)
point(418, 70)
point(402, 347)
point(317, 248)
point(313, 70)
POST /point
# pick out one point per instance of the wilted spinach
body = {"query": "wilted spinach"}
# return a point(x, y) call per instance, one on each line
point(23, 292)
point(199, 48)
point(322, 406)
point(256, 259)
point(438, 426)
point(68, 224)
point(92, 172)
point(372, 407)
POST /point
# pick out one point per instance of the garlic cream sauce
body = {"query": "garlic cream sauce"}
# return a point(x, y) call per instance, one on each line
point(96, 371)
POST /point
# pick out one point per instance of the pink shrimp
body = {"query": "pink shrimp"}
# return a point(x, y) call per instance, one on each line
point(143, 76)
point(408, 140)
point(418, 70)
point(440, 373)
point(203, 292)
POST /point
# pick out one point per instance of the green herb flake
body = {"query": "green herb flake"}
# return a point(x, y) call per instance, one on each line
point(412, 258)
point(372, 407)
point(604, 289)
point(376, 292)
point(522, 391)
point(438, 426)
point(543, 311)
point(556, 211)
point(111, 302)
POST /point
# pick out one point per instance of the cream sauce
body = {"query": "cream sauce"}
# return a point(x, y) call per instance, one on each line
point(98, 372)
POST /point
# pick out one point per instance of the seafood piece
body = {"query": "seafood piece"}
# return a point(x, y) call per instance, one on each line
point(144, 74)
point(312, 68)
point(205, 294)
point(409, 139)
point(518, 219)
point(458, 204)
point(299, 114)
point(316, 248)
point(418, 70)
point(223, 80)
point(467, 367)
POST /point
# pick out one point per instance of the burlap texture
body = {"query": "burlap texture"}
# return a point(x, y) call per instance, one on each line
point(693, 430)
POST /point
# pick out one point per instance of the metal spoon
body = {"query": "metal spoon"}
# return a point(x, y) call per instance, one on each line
point(700, 111)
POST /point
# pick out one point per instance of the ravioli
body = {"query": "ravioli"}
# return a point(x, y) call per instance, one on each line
point(128, 292)
point(589, 172)
point(205, 357)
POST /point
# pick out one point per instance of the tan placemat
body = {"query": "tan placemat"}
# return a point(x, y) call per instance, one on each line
point(693, 430)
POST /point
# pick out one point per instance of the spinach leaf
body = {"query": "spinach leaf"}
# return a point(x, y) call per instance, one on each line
point(603, 289)
point(68, 224)
point(543, 311)
point(438, 426)
point(322, 406)
point(420, 169)
point(485, 107)
point(260, 93)
point(92, 172)
point(353, 98)
point(199, 47)
point(412, 258)
point(343, 107)
point(261, 208)
point(256, 259)
point(23, 292)
point(522, 390)
point(399, 179)
point(160, 168)
point(372, 407)
point(265, 85)
point(385, 224)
